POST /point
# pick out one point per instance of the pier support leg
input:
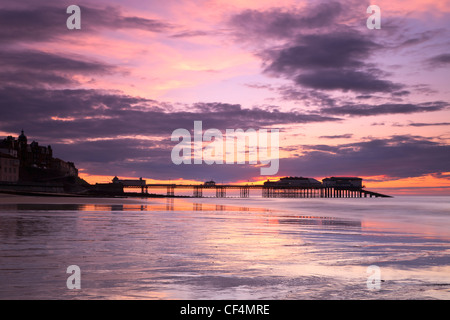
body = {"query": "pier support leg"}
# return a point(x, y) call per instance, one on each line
point(198, 192)
point(220, 192)
point(170, 191)
point(244, 192)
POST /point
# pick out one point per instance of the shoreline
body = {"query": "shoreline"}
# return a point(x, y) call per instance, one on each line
point(76, 195)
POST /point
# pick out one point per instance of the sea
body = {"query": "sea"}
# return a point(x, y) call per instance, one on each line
point(224, 248)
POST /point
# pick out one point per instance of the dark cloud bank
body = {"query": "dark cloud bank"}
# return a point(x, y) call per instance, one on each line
point(397, 157)
point(31, 21)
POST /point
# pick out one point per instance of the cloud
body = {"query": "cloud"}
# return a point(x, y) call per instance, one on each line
point(39, 60)
point(325, 47)
point(31, 79)
point(346, 80)
point(319, 47)
point(387, 108)
point(32, 24)
point(37, 23)
point(396, 156)
point(329, 50)
point(35, 68)
point(328, 104)
point(111, 133)
point(36, 65)
point(421, 124)
point(113, 150)
point(191, 33)
point(308, 97)
point(330, 61)
point(83, 113)
point(279, 23)
point(340, 136)
point(441, 60)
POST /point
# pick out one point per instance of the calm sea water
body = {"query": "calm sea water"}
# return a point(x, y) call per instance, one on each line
point(225, 248)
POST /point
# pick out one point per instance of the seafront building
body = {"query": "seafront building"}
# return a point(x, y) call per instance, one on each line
point(294, 182)
point(9, 168)
point(343, 182)
point(21, 161)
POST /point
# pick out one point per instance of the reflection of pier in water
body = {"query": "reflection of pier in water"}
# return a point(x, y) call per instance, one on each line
point(169, 205)
point(42, 223)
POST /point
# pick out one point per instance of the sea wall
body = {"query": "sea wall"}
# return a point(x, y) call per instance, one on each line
point(32, 187)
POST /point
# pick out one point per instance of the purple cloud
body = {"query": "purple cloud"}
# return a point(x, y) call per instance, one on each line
point(396, 156)
point(387, 108)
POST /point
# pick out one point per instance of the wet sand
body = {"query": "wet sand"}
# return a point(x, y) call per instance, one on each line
point(224, 248)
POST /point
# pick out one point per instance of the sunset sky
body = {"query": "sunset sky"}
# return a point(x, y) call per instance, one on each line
point(348, 101)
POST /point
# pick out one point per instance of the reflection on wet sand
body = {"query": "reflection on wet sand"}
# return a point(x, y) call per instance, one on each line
point(320, 221)
point(27, 226)
point(169, 205)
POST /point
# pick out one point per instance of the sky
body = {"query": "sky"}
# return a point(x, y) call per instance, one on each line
point(347, 100)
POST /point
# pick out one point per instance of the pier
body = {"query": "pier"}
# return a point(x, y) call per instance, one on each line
point(220, 190)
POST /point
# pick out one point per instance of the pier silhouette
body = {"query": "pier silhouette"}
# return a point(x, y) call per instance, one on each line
point(267, 191)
